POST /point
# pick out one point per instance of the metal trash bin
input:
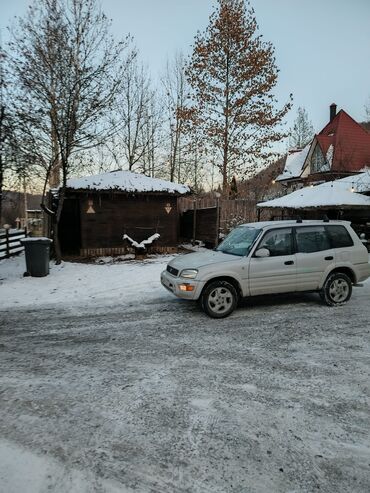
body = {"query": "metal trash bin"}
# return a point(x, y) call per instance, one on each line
point(37, 251)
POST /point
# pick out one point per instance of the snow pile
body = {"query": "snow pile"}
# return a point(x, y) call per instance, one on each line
point(143, 244)
point(126, 181)
point(198, 247)
point(294, 164)
point(117, 258)
point(82, 285)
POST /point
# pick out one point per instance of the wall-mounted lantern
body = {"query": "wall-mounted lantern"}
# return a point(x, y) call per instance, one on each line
point(90, 209)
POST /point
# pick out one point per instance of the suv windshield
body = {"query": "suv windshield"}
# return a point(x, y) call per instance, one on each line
point(239, 241)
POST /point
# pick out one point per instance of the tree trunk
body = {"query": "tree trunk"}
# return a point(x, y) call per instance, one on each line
point(57, 246)
point(2, 116)
point(224, 170)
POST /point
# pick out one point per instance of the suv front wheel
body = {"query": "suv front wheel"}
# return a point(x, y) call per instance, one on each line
point(219, 299)
point(337, 289)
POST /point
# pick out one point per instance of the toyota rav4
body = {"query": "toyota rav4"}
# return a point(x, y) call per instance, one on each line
point(271, 257)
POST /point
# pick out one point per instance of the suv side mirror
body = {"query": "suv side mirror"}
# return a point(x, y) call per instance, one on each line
point(262, 253)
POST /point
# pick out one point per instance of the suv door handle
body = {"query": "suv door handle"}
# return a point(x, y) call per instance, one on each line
point(289, 262)
point(329, 258)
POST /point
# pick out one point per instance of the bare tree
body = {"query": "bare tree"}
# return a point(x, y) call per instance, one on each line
point(194, 162)
point(6, 132)
point(16, 163)
point(176, 94)
point(140, 118)
point(302, 131)
point(232, 73)
point(67, 75)
point(152, 137)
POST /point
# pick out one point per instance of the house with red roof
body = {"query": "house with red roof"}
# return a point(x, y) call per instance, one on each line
point(330, 177)
point(341, 149)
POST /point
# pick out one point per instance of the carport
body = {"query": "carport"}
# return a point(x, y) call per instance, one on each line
point(347, 199)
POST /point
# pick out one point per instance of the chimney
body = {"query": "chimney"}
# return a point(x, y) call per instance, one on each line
point(333, 111)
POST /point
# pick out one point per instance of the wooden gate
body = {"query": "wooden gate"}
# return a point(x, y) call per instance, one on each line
point(201, 224)
point(10, 242)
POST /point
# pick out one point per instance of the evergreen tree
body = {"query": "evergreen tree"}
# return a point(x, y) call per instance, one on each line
point(302, 131)
point(231, 74)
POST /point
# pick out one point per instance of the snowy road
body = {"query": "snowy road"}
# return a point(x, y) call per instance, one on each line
point(156, 397)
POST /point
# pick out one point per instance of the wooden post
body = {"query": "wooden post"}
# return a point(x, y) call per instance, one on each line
point(217, 221)
point(194, 221)
point(7, 246)
point(258, 215)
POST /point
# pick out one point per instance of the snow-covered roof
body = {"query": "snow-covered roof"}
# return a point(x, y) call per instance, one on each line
point(294, 164)
point(360, 182)
point(336, 193)
point(126, 181)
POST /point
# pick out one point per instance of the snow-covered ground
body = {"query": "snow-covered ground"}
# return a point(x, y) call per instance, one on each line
point(109, 384)
point(82, 285)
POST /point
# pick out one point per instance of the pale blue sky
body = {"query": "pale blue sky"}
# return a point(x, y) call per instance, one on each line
point(322, 47)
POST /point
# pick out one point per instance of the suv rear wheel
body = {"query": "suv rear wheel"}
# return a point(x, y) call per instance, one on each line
point(219, 299)
point(337, 289)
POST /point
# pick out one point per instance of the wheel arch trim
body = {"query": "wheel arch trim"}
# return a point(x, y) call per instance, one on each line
point(225, 278)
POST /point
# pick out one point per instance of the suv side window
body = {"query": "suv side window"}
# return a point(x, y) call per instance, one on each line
point(312, 239)
point(339, 236)
point(278, 242)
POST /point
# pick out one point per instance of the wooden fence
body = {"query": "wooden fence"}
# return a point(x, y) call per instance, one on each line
point(200, 221)
point(232, 211)
point(10, 242)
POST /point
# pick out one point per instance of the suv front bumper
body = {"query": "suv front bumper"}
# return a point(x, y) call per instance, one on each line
point(189, 289)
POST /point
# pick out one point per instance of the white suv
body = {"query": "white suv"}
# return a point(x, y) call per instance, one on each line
point(271, 257)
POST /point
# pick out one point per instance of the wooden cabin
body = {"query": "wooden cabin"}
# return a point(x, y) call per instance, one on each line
point(99, 210)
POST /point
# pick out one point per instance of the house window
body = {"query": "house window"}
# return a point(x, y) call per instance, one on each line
point(318, 162)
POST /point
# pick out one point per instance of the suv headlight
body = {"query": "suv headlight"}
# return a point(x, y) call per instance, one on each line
point(189, 273)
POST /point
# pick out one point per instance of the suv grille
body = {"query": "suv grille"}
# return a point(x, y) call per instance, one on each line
point(172, 270)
